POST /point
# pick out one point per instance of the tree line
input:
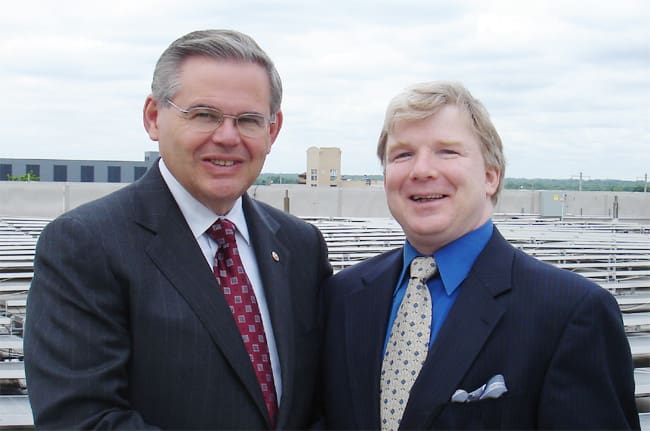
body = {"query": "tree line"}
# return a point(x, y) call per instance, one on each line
point(509, 183)
point(574, 184)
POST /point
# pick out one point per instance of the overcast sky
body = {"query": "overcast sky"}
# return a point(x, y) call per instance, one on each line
point(567, 82)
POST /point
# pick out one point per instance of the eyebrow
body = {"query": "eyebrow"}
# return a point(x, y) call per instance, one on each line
point(398, 145)
point(204, 106)
point(446, 143)
point(450, 143)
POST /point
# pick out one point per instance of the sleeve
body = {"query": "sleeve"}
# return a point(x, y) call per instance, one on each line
point(76, 339)
point(325, 267)
point(324, 274)
point(590, 383)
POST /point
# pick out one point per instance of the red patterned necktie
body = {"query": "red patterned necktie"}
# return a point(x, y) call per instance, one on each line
point(237, 289)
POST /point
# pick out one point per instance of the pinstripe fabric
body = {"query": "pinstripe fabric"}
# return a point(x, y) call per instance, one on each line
point(556, 338)
point(128, 328)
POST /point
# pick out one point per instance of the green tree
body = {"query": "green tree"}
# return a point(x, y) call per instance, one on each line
point(29, 176)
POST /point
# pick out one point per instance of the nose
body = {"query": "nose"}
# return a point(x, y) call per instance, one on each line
point(424, 166)
point(227, 133)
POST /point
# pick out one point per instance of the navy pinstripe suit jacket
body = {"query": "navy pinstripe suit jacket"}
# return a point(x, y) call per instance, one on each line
point(556, 337)
point(127, 327)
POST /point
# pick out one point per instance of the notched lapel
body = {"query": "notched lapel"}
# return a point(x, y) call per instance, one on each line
point(179, 258)
point(469, 324)
point(367, 309)
point(274, 262)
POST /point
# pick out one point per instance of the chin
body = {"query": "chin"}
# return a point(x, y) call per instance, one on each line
point(424, 230)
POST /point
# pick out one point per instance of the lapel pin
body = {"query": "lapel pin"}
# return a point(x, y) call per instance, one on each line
point(275, 256)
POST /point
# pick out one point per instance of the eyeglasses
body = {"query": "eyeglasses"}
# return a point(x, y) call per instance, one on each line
point(207, 120)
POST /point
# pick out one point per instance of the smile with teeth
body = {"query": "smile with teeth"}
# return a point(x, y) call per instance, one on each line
point(427, 197)
point(222, 162)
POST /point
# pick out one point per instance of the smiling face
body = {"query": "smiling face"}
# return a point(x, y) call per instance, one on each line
point(437, 185)
point(218, 167)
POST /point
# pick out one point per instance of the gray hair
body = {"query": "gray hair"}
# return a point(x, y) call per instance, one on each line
point(216, 44)
point(423, 100)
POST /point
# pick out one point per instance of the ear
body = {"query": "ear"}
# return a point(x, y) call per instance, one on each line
point(274, 129)
point(150, 117)
point(492, 179)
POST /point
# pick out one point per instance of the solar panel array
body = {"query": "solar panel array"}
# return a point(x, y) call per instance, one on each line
point(18, 238)
point(614, 255)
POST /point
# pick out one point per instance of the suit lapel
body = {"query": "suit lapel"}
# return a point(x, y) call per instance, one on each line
point(177, 255)
point(367, 309)
point(269, 245)
point(469, 324)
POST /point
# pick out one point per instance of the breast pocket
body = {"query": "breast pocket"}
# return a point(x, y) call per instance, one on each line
point(483, 414)
point(510, 411)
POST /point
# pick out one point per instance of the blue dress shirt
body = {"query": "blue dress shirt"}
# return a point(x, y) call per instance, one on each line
point(454, 262)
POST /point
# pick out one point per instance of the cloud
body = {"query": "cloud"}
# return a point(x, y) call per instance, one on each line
point(567, 83)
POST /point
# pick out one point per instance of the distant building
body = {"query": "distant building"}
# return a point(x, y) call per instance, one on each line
point(85, 171)
point(323, 167)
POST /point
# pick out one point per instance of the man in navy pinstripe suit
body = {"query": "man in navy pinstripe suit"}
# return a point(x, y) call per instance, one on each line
point(513, 343)
point(127, 327)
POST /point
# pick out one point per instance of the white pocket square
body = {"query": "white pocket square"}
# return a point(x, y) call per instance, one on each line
point(494, 388)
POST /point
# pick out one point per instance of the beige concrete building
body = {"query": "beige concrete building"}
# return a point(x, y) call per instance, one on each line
point(323, 167)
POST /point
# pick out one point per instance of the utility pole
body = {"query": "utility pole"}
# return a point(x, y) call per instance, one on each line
point(645, 183)
point(580, 183)
point(579, 180)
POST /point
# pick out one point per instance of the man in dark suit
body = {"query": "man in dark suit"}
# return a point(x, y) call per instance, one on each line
point(493, 339)
point(133, 322)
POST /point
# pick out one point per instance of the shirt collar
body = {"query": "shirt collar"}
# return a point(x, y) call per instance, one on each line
point(199, 217)
point(454, 260)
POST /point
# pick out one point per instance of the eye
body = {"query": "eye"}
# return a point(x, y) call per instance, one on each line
point(448, 152)
point(251, 120)
point(400, 155)
point(205, 115)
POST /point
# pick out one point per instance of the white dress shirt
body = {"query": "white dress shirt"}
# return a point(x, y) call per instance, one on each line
point(199, 218)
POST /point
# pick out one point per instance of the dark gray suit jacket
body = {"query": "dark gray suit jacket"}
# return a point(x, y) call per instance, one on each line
point(128, 329)
point(556, 337)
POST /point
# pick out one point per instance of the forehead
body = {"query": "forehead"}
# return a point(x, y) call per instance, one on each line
point(447, 123)
point(205, 76)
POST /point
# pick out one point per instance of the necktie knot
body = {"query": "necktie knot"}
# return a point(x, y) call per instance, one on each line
point(423, 268)
point(222, 232)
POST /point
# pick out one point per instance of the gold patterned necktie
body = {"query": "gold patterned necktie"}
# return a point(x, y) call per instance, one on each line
point(408, 344)
point(239, 294)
